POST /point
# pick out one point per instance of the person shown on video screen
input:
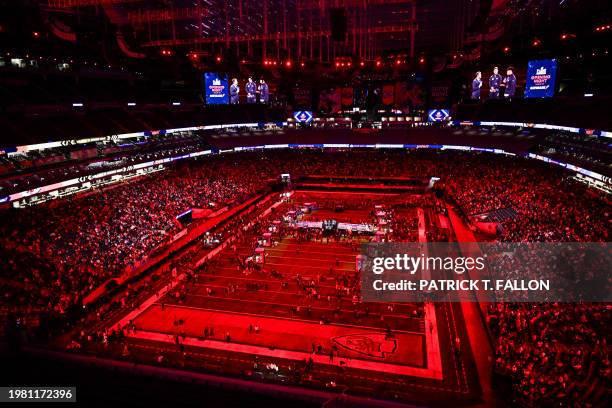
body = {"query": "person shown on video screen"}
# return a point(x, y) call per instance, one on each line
point(251, 91)
point(234, 92)
point(510, 82)
point(494, 84)
point(476, 86)
point(264, 93)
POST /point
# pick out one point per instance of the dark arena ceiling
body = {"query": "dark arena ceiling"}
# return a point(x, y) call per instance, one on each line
point(301, 29)
point(317, 31)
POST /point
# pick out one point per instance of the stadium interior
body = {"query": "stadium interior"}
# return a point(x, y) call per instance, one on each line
point(190, 191)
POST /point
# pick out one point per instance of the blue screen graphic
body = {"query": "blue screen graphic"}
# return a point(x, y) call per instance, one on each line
point(438, 115)
point(303, 116)
point(541, 77)
point(216, 88)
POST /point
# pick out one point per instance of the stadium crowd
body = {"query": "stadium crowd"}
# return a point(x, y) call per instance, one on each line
point(54, 254)
point(540, 198)
point(66, 248)
point(556, 355)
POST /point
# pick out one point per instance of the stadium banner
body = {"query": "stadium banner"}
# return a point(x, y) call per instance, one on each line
point(440, 92)
point(388, 94)
point(301, 97)
point(329, 100)
point(541, 78)
point(216, 88)
point(347, 96)
point(494, 272)
point(408, 95)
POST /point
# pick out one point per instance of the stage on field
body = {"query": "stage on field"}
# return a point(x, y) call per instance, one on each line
point(301, 304)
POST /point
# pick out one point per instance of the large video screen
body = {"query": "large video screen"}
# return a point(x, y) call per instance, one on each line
point(541, 78)
point(216, 88)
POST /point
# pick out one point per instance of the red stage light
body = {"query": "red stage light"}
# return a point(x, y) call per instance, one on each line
point(398, 62)
point(288, 64)
point(421, 60)
point(536, 43)
point(378, 63)
point(506, 49)
point(218, 59)
point(337, 64)
point(302, 64)
point(35, 34)
point(362, 63)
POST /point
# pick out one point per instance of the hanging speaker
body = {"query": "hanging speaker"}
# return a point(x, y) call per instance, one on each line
point(337, 20)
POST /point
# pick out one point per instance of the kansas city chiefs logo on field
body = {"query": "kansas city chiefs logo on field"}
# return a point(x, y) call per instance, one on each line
point(370, 344)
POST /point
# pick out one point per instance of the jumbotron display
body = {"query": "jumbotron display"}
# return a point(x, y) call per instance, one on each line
point(218, 90)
